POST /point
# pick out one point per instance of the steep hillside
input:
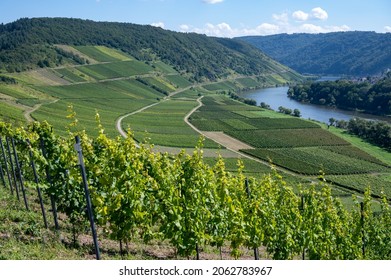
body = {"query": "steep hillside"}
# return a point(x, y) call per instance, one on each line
point(350, 53)
point(31, 43)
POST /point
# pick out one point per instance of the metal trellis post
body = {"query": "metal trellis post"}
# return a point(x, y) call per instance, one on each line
point(87, 195)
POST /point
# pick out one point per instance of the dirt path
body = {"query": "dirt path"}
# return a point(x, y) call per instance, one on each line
point(217, 136)
point(118, 123)
point(30, 110)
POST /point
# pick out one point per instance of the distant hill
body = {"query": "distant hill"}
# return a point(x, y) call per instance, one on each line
point(31, 43)
point(350, 53)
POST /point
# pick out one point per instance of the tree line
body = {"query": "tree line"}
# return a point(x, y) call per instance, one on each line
point(363, 96)
point(376, 132)
point(350, 53)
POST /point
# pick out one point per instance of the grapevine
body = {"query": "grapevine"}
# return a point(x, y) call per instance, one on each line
point(140, 194)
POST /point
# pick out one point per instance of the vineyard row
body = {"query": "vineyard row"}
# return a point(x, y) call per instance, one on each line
point(136, 193)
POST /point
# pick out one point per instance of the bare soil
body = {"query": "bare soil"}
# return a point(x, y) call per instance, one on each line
point(226, 140)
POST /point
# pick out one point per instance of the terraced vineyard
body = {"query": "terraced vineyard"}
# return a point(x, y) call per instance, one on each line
point(116, 84)
point(297, 145)
point(163, 125)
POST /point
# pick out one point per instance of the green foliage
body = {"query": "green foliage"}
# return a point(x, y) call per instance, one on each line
point(311, 160)
point(204, 58)
point(281, 138)
point(103, 54)
point(7, 80)
point(11, 114)
point(349, 53)
point(163, 124)
point(344, 94)
point(295, 144)
point(137, 193)
point(379, 182)
point(376, 132)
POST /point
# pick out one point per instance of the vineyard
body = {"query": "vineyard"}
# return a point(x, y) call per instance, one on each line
point(133, 193)
point(297, 145)
point(188, 200)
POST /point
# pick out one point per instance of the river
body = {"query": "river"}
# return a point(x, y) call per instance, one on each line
point(277, 96)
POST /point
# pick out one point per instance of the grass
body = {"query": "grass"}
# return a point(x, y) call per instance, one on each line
point(123, 96)
point(373, 150)
point(103, 54)
point(190, 94)
point(23, 237)
point(222, 86)
point(56, 113)
point(159, 83)
point(19, 91)
point(178, 80)
point(111, 89)
point(164, 68)
point(71, 74)
point(310, 160)
point(377, 182)
point(261, 114)
point(164, 125)
point(248, 82)
point(116, 69)
point(11, 114)
point(283, 138)
point(114, 53)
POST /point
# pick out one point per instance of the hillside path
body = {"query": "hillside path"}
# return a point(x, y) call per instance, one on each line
point(217, 136)
point(28, 112)
point(118, 123)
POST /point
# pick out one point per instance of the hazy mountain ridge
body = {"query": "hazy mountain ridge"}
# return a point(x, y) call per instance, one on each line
point(339, 53)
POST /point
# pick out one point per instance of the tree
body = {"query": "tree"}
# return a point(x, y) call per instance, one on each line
point(284, 110)
point(297, 113)
point(265, 106)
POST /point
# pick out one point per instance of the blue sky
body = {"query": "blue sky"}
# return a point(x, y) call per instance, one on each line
point(224, 18)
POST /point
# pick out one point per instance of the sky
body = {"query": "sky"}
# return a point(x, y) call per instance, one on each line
point(222, 18)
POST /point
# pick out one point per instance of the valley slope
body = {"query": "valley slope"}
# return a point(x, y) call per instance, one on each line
point(338, 53)
point(116, 73)
point(31, 43)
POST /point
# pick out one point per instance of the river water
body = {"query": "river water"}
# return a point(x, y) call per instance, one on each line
point(277, 96)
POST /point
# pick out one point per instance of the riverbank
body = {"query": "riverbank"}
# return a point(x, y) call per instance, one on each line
point(277, 96)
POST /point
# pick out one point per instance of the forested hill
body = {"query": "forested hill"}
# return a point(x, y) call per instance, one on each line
point(350, 53)
point(31, 43)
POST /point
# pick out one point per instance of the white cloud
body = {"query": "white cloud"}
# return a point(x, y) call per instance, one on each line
point(316, 13)
point(312, 28)
point(319, 13)
point(283, 17)
point(220, 30)
point(267, 29)
point(300, 15)
point(158, 24)
point(387, 28)
point(212, 1)
point(225, 30)
point(285, 22)
point(184, 27)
